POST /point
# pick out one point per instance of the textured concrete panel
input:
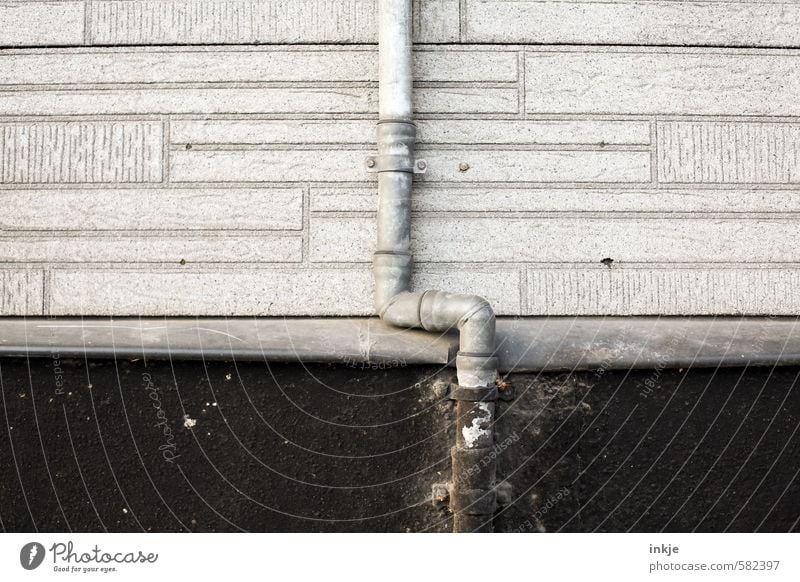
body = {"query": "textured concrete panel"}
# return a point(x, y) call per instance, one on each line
point(437, 21)
point(494, 198)
point(221, 291)
point(239, 65)
point(535, 132)
point(73, 152)
point(728, 153)
point(256, 291)
point(450, 131)
point(268, 166)
point(247, 100)
point(347, 165)
point(139, 22)
point(270, 132)
point(247, 163)
point(193, 22)
point(188, 100)
point(669, 81)
point(481, 239)
point(637, 22)
point(220, 247)
point(152, 209)
point(21, 291)
point(701, 290)
point(143, 22)
point(27, 23)
point(538, 166)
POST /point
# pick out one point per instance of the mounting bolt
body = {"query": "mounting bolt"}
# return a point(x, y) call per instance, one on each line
point(421, 165)
point(463, 167)
point(370, 162)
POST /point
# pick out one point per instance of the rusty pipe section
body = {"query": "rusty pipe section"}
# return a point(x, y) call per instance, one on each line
point(472, 494)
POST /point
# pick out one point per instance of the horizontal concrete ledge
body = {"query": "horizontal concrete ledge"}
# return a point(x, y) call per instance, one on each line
point(525, 344)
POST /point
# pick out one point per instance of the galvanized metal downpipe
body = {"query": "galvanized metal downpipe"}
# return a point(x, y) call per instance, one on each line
point(472, 488)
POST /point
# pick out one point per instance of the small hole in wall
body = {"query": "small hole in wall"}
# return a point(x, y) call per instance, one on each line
point(607, 262)
point(188, 146)
point(183, 261)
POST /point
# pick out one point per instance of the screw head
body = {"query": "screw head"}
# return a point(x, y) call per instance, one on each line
point(370, 162)
point(463, 167)
point(421, 164)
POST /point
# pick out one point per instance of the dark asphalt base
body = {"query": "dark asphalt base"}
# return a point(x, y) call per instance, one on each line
point(128, 446)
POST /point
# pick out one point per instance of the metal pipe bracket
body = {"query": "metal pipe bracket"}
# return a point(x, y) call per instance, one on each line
point(395, 163)
point(472, 394)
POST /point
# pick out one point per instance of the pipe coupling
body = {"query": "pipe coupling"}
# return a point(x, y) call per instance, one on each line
point(476, 370)
point(396, 141)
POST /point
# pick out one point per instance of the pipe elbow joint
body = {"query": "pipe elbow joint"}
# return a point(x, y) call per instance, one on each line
point(472, 315)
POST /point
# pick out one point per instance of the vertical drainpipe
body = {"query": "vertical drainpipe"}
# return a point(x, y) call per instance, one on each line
point(472, 491)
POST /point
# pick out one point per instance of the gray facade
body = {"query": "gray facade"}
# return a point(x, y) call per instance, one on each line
point(229, 180)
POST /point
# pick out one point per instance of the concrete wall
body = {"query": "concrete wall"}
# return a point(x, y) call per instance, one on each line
point(343, 448)
point(228, 179)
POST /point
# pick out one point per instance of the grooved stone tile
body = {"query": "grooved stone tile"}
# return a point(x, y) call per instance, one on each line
point(21, 291)
point(503, 239)
point(81, 151)
point(132, 22)
point(729, 153)
point(121, 248)
point(659, 22)
point(700, 290)
point(238, 65)
point(152, 209)
point(493, 198)
point(669, 81)
point(25, 23)
point(258, 291)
